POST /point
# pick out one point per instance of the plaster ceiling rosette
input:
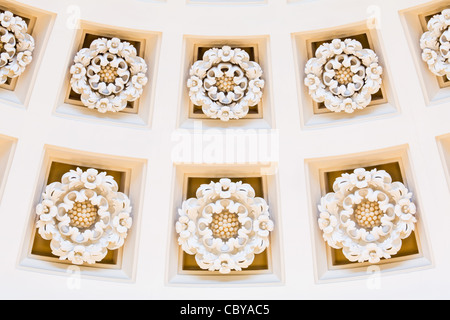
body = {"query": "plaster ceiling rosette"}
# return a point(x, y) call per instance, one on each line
point(108, 75)
point(84, 216)
point(435, 44)
point(224, 226)
point(225, 83)
point(367, 215)
point(16, 46)
point(343, 75)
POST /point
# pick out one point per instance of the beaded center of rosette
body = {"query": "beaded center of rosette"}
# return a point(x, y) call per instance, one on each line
point(225, 84)
point(108, 74)
point(225, 225)
point(368, 214)
point(344, 75)
point(83, 214)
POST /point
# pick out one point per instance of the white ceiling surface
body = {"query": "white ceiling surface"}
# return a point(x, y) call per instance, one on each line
point(416, 125)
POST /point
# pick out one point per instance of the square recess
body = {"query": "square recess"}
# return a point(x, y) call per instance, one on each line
point(7, 148)
point(443, 142)
point(436, 89)
point(259, 116)
point(316, 114)
point(136, 113)
point(266, 268)
point(17, 91)
point(128, 173)
point(331, 264)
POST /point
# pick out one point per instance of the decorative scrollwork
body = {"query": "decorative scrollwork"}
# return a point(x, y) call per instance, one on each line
point(367, 215)
point(225, 226)
point(225, 83)
point(16, 46)
point(84, 216)
point(108, 75)
point(435, 44)
point(343, 75)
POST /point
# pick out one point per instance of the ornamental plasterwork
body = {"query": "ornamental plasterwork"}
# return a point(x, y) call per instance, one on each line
point(225, 83)
point(367, 215)
point(108, 75)
point(435, 44)
point(84, 216)
point(224, 226)
point(343, 75)
point(16, 46)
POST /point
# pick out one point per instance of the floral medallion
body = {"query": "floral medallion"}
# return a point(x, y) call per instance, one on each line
point(225, 226)
point(16, 46)
point(84, 216)
point(367, 215)
point(225, 83)
point(435, 44)
point(108, 75)
point(343, 75)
